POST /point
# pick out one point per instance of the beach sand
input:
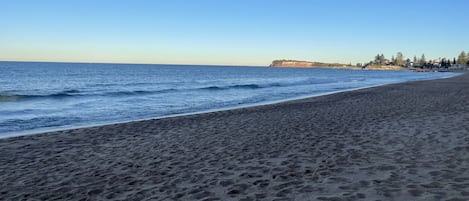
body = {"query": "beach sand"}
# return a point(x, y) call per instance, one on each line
point(406, 141)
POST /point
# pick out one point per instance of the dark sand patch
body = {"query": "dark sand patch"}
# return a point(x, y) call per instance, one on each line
point(406, 141)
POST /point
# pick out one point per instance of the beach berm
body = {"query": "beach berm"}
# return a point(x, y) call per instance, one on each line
point(407, 141)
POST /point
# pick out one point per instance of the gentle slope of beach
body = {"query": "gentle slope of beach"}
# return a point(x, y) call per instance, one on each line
point(406, 141)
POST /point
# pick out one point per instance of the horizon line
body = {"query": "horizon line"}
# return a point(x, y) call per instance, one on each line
point(132, 63)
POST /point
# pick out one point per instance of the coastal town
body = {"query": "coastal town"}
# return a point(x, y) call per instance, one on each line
point(396, 62)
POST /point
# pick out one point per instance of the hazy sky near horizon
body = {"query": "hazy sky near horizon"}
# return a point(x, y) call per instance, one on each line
point(230, 32)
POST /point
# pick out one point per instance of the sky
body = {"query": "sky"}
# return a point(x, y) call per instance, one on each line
point(230, 32)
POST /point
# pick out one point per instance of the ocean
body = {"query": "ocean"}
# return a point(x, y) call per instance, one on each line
point(39, 96)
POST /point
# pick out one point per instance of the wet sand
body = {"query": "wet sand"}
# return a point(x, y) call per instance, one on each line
point(405, 141)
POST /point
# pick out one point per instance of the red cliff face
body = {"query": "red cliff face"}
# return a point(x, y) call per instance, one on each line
point(291, 63)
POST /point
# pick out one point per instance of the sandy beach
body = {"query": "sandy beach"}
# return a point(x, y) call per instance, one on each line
point(406, 141)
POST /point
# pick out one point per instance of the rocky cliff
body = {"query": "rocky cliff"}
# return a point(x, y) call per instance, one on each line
point(291, 63)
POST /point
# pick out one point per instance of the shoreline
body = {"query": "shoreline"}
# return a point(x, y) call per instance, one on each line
point(39, 131)
point(405, 141)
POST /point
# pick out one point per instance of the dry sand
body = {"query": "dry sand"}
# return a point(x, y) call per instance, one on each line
point(406, 141)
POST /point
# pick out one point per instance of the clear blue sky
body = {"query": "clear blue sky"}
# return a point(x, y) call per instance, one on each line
point(232, 32)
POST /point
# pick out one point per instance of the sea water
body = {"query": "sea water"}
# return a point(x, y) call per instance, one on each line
point(40, 96)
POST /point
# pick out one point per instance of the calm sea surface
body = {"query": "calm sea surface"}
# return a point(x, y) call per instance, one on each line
point(36, 97)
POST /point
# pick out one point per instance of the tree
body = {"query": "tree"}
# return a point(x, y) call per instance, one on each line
point(415, 59)
point(462, 58)
point(422, 60)
point(442, 62)
point(466, 57)
point(399, 59)
point(379, 59)
point(445, 63)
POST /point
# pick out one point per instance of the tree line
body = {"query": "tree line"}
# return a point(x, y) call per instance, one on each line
point(400, 60)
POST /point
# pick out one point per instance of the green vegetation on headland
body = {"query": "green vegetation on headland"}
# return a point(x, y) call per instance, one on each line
point(397, 62)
